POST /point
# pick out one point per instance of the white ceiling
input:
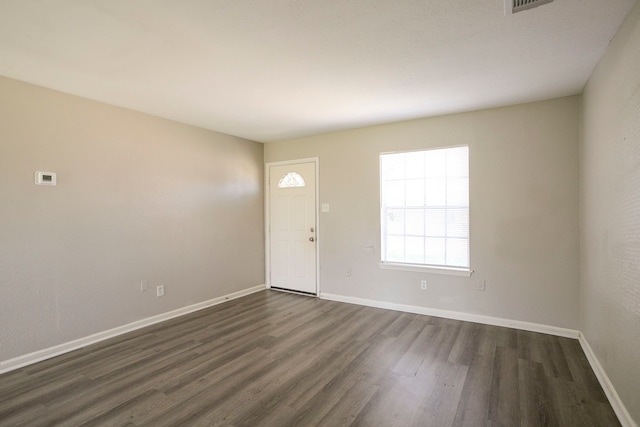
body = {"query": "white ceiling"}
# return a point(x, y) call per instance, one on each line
point(276, 69)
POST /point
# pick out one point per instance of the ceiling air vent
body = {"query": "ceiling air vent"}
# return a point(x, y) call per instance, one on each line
point(515, 6)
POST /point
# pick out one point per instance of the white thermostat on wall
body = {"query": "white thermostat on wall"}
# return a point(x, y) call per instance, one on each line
point(45, 178)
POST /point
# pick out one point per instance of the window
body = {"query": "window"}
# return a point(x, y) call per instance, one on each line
point(425, 209)
point(291, 179)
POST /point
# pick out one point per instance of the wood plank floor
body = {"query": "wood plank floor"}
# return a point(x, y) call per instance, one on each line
point(277, 359)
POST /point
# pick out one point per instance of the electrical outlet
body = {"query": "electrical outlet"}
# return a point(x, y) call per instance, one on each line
point(481, 285)
point(144, 286)
point(160, 290)
point(423, 285)
point(349, 272)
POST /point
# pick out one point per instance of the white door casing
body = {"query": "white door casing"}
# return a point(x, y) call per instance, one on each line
point(292, 228)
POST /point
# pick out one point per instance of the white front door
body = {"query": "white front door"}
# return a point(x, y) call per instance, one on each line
point(292, 227)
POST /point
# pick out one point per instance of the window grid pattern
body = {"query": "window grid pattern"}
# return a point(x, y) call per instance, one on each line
point(291, 179)
point(425, 207)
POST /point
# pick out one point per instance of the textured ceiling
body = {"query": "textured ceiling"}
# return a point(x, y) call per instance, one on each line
point(277, 69)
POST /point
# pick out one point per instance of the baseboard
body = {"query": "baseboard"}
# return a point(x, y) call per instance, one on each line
point(607, 386)
point(37, 356)
point(456, 315)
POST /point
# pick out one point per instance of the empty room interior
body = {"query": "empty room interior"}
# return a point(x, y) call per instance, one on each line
point(296, 212)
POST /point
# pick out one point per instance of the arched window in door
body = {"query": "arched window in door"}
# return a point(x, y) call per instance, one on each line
point(291, 179)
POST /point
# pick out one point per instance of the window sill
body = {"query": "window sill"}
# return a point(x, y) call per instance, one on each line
point(450, 271)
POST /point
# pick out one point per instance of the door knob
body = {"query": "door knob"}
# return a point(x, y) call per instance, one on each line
point(311, 239)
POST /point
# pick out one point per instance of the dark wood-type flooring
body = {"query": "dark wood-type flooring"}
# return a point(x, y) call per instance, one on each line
point(277, 359)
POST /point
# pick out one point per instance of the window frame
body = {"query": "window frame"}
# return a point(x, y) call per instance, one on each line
point(416, 267)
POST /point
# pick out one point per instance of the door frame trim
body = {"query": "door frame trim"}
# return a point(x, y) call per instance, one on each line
point(267, 217)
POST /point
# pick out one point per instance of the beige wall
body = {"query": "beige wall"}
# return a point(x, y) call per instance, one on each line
point(610, 260)
point(524, 209)
point(138, 197)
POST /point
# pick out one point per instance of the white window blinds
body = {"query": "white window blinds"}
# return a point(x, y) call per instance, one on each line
point(425, 207)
